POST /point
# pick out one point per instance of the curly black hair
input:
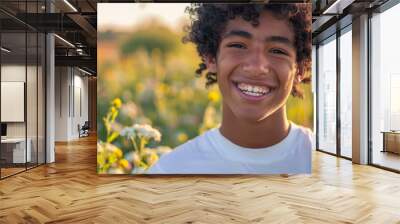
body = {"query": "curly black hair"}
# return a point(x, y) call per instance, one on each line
point(209, 20)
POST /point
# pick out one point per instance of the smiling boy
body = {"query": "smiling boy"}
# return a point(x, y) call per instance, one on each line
point(258, 54)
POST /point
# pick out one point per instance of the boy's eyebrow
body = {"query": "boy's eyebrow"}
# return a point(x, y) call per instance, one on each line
point(245, 34)
point(240, 33)
point(279, 39)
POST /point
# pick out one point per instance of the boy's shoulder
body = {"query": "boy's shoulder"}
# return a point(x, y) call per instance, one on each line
point(303, 138)
point(302, 130)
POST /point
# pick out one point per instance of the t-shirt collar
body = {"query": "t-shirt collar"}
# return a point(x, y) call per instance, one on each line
point(232, 151)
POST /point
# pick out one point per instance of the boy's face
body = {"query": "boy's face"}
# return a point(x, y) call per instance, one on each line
point(256, 66)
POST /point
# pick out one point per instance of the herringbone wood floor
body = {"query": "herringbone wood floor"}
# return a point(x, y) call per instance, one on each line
point(70, 191)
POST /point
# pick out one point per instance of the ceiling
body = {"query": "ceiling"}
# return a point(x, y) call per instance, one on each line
point(76, 22)
point(331, 15)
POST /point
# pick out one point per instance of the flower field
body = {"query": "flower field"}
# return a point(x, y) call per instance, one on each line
point(150, 100)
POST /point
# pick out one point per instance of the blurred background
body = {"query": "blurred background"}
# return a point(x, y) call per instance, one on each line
point(146, 75)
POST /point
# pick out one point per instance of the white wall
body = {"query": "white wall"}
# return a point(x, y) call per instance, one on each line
point(61, 103)
point(71, 93)
point(80, 109)
point(33, 126)
point(13, 101)
point(12, 73)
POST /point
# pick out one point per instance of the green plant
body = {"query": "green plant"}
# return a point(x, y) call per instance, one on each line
point(111, 159)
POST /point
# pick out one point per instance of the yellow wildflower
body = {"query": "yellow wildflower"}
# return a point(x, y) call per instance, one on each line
point(124, 163)
point(117, 102)
point(118, 153)
point(152, 158)
point(182, 137)
point(113, 110)
point(213, 96)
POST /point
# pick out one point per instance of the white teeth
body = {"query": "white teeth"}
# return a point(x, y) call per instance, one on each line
point(252, 94)
point(253, 90)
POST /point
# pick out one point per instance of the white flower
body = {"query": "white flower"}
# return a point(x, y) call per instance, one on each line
point(146, 131)
point(128, 132)
point(142, 131)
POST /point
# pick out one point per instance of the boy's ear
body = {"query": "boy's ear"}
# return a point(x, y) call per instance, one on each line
point(298, 76)
point(211, 63)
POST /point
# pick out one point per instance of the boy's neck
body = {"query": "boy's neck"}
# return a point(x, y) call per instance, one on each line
point(265, 133)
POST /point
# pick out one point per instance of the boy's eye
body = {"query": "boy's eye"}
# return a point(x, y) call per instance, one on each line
point(236, 45)
point(278, 51)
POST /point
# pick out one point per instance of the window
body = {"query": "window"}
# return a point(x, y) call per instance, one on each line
point(385, 88)
point(22, 76)
point(346, 75)
point(327, 95)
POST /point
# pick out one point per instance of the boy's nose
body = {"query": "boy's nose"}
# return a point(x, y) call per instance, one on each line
point(257, 64)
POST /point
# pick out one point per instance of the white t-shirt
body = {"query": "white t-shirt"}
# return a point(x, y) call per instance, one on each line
point(212, 153)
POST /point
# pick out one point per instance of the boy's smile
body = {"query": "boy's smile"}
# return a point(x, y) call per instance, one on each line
point(253, 90)
point(255, 66)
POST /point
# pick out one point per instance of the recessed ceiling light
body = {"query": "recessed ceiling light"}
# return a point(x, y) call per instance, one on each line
point(64, 40)
point(84, 71)
point(5, 50)
point(337, 7)
point(70, 5)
